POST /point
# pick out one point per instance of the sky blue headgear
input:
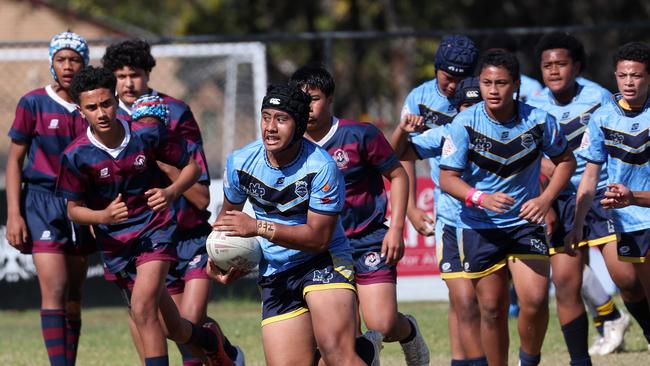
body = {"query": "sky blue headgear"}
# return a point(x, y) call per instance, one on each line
point(151, 106)
point(68, 40)
point(456, 55)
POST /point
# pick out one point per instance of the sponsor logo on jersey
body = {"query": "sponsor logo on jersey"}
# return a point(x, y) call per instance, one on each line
point(341, 158)
point(635, 127)
point(624, 250)
point(466, 266)
point(505, 135)
point(46, 235)
point(324, 276)
point(195, 260)
point(54, 124)
point(584, 119)
point(565, 115)
point(326, 187)
point(279, 181)
point(301, 188)
point(371, 259)
point(482, 144)
point(538, 246)
point(618, 138)
point(448, 148)
point(140, 161)
point(103, 173)
point(255, 190)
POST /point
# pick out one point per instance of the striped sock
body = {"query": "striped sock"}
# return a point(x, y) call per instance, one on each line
point(608, 311)
point(72, 332)
point(53, 329)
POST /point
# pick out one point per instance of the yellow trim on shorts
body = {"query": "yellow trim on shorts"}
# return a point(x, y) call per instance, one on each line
point(281, 317)
point(603, 240)
point(632, 259)
point(452, 275)
point(494, 268)
point(559, 250)
point(540, 257)
point(328, 286)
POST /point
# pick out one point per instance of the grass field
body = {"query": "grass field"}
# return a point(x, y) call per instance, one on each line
point(105, 338)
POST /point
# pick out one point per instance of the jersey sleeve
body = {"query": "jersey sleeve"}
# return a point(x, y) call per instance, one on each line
point(554, 142)
point(429, 143)
point(410, 104)
point(455, 147)
point(188, 128)
point(22, 129)
point(170, 149)
point(376, 150)
point(196, 151)
point(327, 190)
point(70, 183)
point(592, 146)
point(232, 190)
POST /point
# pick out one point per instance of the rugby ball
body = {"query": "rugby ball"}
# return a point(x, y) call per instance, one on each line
point(233, 251)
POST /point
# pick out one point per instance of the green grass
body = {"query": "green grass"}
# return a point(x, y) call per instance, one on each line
point(106, 341)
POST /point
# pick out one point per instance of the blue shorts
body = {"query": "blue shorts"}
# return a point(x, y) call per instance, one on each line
point(599, 226)
point(50, 230)
point(192, 255)
point(485, 251)
point(283, 294)
point(447, 252)
point(633, 246)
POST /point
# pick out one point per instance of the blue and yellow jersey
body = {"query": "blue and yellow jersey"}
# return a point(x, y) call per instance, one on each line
point(500, 157)
point(284, 195)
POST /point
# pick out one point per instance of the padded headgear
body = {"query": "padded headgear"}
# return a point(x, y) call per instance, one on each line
point(468, 91)
point(456, 55)
point(68, 40)
point(150, 106)
point(291, 99)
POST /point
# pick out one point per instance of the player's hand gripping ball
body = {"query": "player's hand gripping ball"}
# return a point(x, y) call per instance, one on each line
point(233, 251)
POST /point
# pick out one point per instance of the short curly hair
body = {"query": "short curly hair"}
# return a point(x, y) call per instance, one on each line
point(500, 58)
point(633, 51)
point(563, 41)
point(135, 53)
point(91, 78)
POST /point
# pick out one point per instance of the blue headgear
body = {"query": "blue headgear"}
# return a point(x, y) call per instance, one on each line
point(71, 41)
point(456, 55)
point(468, 91)
point(151, 106)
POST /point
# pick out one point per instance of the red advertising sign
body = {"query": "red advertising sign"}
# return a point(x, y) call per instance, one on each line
point(420, 251)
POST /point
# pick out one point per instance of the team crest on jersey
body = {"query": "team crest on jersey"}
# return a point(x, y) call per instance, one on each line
point(618, 138)
point(255, 190)
point(635, 127)
point(448, 148)
point(538, 246)
point(584, 119)
point(54, 124)
point(482, 144)
point(324, 276)
point(103, 173)
point(140, 162)
point(341, 158)
point(527, 140)
point(371, 259)
point(301, 188)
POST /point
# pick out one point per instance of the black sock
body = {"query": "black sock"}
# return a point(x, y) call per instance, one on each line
point(365, 350)
point(478, 361)
point(641, 313)
point(575, 335)
point(204, 338)
point(411, 335)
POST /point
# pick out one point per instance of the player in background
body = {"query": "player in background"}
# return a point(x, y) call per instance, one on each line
point(562, 58)
point(491, 162)
point(617, 135)
point(47, 121)
point(463, 317)
point(188, 283)
point(306, 274)
point(504, 41)
point(365, 158)
point(111, 180)
point(455, 60)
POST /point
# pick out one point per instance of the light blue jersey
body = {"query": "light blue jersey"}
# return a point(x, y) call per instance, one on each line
point(428, 145)
point(427, 101)
point(311, 182)
point(573, 119)
point(500, 157)
point(623, 142)
point(529, 88)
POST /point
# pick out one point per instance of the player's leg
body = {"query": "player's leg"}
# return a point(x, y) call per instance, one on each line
point(289, 341)
point(77, 267)
point(492, 294)
point(193, 307)
point(567, 278)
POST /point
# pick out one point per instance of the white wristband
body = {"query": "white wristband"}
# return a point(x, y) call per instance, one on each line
point(476, 196)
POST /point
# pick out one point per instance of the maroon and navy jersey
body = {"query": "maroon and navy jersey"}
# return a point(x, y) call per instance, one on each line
point(362, 154)
point(48, 124)
point(95, 174)
point(183, 125)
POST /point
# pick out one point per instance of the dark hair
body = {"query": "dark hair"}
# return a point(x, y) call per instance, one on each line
point(500, 40)
point(503, 59)
point(314, 76)
point(91, 78)
point(634, 51)
point(135, 53)
point(564, 41)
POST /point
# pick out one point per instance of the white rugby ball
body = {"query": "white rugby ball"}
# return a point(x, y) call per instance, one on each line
point(233, 251)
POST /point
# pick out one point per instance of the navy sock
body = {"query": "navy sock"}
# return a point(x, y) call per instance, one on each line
point(478, 361)
point(458, 363)
point(641, 313)
point(157, 361)
point(187, 356)
point(365, 350)
point(575, 335)
point(54, 333)
point(528, 360)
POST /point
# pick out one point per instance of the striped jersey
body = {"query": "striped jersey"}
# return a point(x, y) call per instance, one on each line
point(284, 195)
point(48, 124)
point(500, 157)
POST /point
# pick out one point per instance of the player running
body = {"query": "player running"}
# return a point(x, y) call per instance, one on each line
point(491, 162)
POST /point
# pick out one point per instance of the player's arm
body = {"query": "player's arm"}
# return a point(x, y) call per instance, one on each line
point(393, 244)
point(547, 168)
point(114, 213)
point(619, 196)
point(17, 233)
point(161, 198)
point(198, 194)
point(399, 139)
point(584, 198)
point(452, 183)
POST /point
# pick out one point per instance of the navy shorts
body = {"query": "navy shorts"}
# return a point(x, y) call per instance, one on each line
point(50, 230)
point(283, 294)
point(447, 252)
point(192, 255)
point(599, 225)
point(485, 251)
point(370, 267)
point(633, 246)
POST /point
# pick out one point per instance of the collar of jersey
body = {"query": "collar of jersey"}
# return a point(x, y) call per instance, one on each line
point(330, 133)
point(630, 114)
point(298, 155)
point(554, 101)
point(511, 121)
point(70, 107)
point(114, 152)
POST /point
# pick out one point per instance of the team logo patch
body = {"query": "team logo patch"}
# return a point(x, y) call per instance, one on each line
point(466, 266)
point(565, 115)
point(482, 144)
point(46, 235)
point(505, 135)
point(341, 158)
point(324, 276)
point(618, 138)
point(448, 148)
point(584, 119)
point(54, 124)
point(255, 190)
point(446, 267)
point(280, 181)
point(538, 246)
point(140, 162)
point(195, 260)
point(527, 140)
point(274, 101)
point(635, 127)
point(624, 250)
point(103, 173)
point(371, 259)
point(610, 227)
point(301, 188)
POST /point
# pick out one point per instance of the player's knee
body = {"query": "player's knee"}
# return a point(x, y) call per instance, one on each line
point(467, 310)
point(492, 311)
point(386, 326)
point(54, 292)
point(144, 312)
point(534, 301)
point(334, 347)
